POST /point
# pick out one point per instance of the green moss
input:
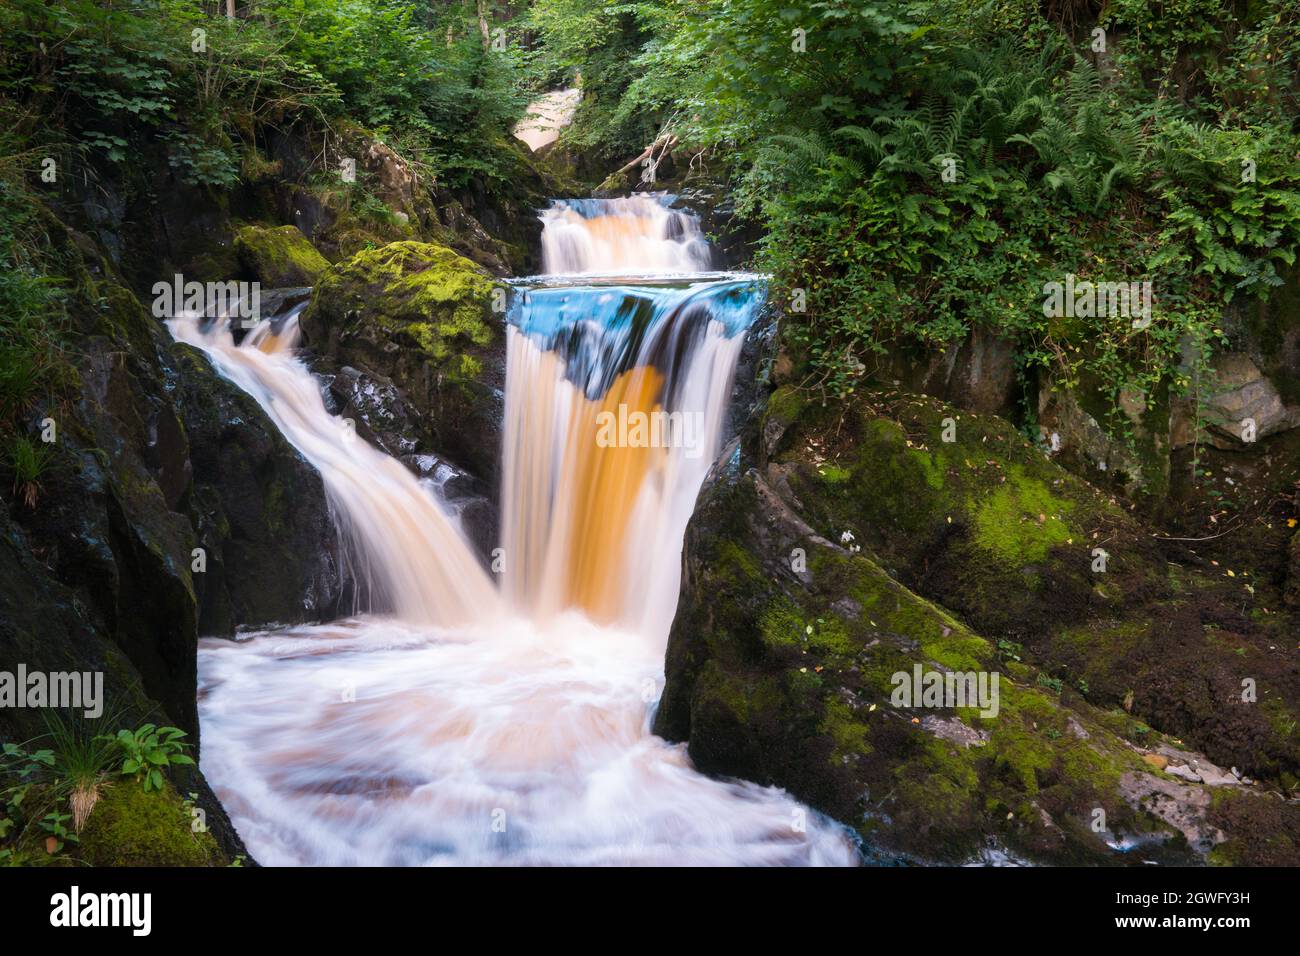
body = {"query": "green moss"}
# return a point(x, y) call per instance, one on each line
point(745, 699)
point(279, 255)
point(421, 290)
point(1022, 754)
point(737, 563)
point(1021, 520)
point(783, 625)
point(130, 827)
point(889, 606)
point(1094, 651)
point(851, 735)
point(785, 404)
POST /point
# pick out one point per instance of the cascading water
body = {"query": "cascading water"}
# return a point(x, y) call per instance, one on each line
point(635, 235)
point(460, 727)
point(404, 550)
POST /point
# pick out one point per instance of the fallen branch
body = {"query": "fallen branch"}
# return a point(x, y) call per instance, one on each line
point(668, 142)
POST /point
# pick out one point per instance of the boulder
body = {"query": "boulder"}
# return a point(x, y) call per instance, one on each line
point(1019, 549)
point(1241, 406)
point(278, 256)
point(784, 666)
point(419, 316)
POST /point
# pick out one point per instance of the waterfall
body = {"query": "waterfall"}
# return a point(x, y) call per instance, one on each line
point(635, 235)
point(400, 545)
point(471, 725)
point(625, 414)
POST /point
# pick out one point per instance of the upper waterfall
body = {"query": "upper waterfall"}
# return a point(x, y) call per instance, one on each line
point(632, 235)
point(616, 402)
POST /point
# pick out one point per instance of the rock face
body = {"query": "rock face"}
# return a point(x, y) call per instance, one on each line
point(396, 181)
point(979, 374)
point(1242, 406)
point(419, 316)
point(387, 420)
point(258, 508)
point(811, 574)
point(1072, 430)
point(278, 256)
point(155, 456)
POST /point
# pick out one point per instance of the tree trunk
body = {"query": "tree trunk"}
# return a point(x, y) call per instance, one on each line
point(483, 22)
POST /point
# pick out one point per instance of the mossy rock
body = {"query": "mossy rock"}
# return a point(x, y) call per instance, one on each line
point(846, 545)
point(964, 510)
point(419, 289)
point(420, 315)
point(781, 668)
point(279, 256)
point(132, 827)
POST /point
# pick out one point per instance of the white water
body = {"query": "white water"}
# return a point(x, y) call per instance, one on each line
point(632, 235)
point(450, 730)
point(403, 548)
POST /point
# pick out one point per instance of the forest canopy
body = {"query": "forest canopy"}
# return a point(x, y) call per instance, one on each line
point(917, 168)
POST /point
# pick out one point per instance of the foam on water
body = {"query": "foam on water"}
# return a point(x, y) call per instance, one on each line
point(454, 724)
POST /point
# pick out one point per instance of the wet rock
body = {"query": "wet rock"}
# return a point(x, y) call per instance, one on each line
point(984, 522)
point(279, 301)
point(467, 498)
point(380, 409)
point(1182, 807)
point(259, 509)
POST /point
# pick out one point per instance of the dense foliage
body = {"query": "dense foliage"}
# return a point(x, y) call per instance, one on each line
point(1139, 141)
point(98, 92)
point(103, 77)
point(919, 167)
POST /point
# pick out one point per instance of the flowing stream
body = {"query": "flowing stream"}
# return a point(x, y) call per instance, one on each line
point(467, 720)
